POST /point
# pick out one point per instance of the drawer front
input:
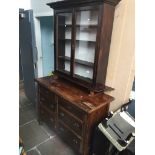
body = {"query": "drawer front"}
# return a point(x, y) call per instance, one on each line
point(71, 108)
point(44, 99)
point(44, 92)
point(71, 139)
point(47, 99)
point(70, 120)
point(46, 116)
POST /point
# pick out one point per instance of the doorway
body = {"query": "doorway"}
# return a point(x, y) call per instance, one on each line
point(47, 44)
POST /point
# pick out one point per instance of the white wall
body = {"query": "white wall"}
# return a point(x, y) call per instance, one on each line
point(121, 70)
point(40, 8)
point(24, 4)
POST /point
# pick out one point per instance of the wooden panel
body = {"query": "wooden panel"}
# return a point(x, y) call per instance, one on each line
point(47, 116)
point(47, 98)
point(72, 121)
point(88, 77)
point(75, 116)
point(69, 107)
point(104, 44)
point(70, 138)
point(71, 3)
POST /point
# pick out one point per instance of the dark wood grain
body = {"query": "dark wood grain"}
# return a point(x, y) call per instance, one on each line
point(82, 62)
point(73, 108)
point(73, 104)
point(71, 3)
point(73, 44)
point(107, 16)
point(102, 44)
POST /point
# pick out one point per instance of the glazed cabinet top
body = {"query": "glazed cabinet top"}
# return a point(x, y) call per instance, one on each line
point(82, 40)
point(79, 98)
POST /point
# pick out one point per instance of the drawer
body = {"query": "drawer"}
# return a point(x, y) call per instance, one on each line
point(51, 106)
point(67, 136)
point(46, 116)
point(71, 108)
point(70, 120)
point(44, 92)
point(49, 101)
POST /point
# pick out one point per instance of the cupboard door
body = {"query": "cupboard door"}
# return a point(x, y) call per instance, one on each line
point(86, 24)
point(64, 39)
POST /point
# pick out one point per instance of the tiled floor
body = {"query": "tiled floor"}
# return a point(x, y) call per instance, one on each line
point(38, 139)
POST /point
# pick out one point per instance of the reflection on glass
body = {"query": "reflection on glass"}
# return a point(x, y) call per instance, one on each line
point(83, 72)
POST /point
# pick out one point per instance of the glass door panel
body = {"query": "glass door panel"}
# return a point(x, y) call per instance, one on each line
point(64, 42)
point(85, 44)
point(83, 72)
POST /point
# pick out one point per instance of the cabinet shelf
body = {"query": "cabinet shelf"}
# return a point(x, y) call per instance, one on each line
point(64, 71)
point(82, 62)
point(77, 40)
point(64, 58)
point(79, 25)
point(83, 78)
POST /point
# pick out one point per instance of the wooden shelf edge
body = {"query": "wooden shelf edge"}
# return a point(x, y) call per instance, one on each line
point(82, 62)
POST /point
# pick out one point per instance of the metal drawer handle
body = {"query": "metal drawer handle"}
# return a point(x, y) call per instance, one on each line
point(62, 114)
point(75, 141)
point(62, 129)
point(76, 125)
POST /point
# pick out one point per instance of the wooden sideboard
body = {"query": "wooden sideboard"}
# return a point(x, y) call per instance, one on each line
point(71, 111)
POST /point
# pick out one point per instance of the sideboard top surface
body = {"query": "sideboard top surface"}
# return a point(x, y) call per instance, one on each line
point(76, 95)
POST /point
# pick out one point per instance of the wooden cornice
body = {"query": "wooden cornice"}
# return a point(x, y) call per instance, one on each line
point(66, 3)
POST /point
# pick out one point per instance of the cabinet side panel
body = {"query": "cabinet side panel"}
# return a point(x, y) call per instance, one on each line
point(105, 40)
point(92, 122)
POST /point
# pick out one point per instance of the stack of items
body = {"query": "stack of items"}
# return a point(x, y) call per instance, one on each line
point(21, 147)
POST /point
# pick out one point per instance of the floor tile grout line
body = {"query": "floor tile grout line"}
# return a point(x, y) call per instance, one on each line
point(27, 123)
point(38, 151)
point(33, 148)
point(51, 137)
point(22, 107)
point(48, 134)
